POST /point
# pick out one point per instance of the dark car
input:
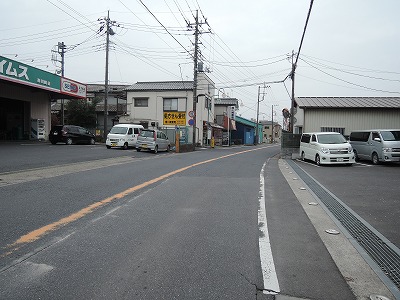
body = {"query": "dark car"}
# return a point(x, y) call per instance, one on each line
point(71, 134)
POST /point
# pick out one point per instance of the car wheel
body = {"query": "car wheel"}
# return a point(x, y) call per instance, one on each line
point(108, 147)
point(125, 146)
point(92, 141)
point(54, 142)
point(138, 149)
point(317, 160)
point(303, 156)
point(69, 141)
point(356, 158)
point(375, 158)
point(168, 148)
point(155, 149)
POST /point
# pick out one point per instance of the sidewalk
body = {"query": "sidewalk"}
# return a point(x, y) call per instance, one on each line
point(360, 277)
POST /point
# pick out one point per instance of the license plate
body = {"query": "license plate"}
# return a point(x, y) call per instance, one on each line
point(340, 159)
point(114, 145)
point(144, 145)
point(55, 133)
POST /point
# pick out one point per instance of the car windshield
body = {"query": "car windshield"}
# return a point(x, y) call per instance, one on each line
point(119, 130)
point(147, 133)
point(331, 139)
point(391, 135)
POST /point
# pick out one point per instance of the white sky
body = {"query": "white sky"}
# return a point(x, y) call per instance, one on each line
point(350, 47)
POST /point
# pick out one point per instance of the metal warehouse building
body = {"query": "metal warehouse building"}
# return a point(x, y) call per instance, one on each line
point(345, 114)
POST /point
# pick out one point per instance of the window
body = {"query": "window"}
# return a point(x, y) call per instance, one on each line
point(141, 102)
point(305, 138)
point(130, 131)
point(332, 129)
point(170, 104)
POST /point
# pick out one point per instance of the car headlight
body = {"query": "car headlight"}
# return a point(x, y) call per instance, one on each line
point(387, 149)
point(350, 149)
point(325, 150)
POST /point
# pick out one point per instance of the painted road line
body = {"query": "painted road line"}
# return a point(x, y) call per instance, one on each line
point(270, 279)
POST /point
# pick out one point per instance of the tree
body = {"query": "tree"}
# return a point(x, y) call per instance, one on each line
point(80, 112)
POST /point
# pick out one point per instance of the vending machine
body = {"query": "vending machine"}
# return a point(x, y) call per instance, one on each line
point(38, 131)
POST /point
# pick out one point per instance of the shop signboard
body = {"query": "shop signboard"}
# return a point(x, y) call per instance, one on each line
point(174, 118)
point(18, 72)
point(73, 88)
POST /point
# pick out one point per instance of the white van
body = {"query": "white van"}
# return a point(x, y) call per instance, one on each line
point(123, 136)
point(376, 144)
point(326, 148)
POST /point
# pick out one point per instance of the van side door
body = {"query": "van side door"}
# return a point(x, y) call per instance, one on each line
point(375, 144)
point(313, 147)
point(130, 137)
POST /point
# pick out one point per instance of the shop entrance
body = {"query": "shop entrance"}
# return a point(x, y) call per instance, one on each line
point(14, 119)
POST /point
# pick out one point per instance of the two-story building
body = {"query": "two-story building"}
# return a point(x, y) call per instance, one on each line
point(169, 105)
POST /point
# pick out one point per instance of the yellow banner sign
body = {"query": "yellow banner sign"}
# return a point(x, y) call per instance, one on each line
point(174, 118)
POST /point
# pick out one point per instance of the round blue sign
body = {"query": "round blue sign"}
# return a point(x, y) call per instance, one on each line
point(191, 122)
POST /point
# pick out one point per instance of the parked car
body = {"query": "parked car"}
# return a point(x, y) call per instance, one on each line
point(326, 148)
point(123, 136)
point(71, 134)
point(153, 140)
point(376, 145)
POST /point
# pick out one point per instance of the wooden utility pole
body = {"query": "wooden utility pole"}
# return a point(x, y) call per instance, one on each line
point(106, 76)
point(195, 58)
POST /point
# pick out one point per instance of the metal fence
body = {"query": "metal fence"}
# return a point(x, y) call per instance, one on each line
point(290, 145)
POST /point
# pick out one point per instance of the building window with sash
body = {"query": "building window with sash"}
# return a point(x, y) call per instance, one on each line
point(141, 102)
point(170, 104)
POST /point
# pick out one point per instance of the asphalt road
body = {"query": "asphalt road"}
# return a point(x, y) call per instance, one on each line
point(84, 222)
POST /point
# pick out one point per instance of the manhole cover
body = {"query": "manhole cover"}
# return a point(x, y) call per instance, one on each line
point(332, 231)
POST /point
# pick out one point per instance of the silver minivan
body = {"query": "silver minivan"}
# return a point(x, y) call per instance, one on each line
point(376, 145)
point(153, 140)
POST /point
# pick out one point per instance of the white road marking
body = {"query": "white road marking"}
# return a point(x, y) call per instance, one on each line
point(270, 279)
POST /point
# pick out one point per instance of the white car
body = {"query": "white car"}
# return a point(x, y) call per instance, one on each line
point(326, 148)
point(123, 136)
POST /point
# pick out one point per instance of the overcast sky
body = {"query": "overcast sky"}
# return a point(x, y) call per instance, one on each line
point(350, 46)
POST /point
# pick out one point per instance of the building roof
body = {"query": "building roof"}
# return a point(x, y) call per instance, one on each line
point(227, 101)
point(348, 102)
point(92, 88)
point(162, 86)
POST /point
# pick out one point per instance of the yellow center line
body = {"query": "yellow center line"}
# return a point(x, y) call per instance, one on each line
point(40, 232)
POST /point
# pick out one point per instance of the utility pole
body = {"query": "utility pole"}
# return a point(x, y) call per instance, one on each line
point(292, 105)
point(61, 51)
point(258, 109)
point(106, 76)
point(107, 24)
point(195, 58)
point(195, 70)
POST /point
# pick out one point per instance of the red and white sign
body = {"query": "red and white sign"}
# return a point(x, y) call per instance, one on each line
point(73, 88)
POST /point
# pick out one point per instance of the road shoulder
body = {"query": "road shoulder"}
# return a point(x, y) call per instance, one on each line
point(358, 274)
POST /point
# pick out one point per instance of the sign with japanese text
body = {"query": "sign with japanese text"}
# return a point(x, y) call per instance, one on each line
point(73, 88)
point(15, 71)
point(174, 118)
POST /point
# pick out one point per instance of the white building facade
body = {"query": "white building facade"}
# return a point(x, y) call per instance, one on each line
point(169, 104)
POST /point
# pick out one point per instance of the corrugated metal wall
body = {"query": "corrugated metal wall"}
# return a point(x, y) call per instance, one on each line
point(351, 119)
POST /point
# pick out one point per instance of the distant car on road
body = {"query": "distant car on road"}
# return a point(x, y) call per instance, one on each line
point(123, 136)
point(153, 140)
point(71, 134)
